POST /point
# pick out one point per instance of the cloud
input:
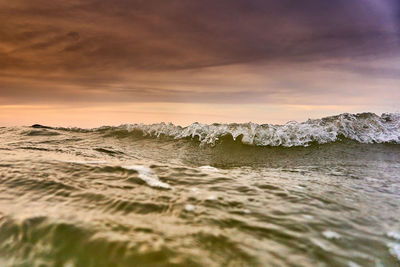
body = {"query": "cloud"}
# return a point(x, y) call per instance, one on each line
point(155, 50)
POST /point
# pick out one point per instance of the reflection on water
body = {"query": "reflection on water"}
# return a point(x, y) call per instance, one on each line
point(71, 198)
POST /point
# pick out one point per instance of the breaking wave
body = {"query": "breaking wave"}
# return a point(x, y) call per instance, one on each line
point(365, 128)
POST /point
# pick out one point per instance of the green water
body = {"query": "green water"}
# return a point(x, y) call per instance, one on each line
point(115, 198)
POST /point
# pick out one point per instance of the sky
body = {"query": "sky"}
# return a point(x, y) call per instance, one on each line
point(89, 63)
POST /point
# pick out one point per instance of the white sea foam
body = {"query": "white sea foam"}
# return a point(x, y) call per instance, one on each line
point(394, 235)
point(352, 264)
point(189, 207)
point(364, 128)
point(211, 197)
point(209, 168)
point(330, 234)
point(147, 175)
point(394, 249)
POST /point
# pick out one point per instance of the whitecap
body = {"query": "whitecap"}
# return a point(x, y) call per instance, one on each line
point(363, 127)
point(190, 207)
point(394, 249)
point(394, 235)
point(147, 175)
point(209, 168)
point(211, 197)
point(330, 234)
point(352, 264)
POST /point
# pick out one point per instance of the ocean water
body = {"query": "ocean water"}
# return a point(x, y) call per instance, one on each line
point(324, 192)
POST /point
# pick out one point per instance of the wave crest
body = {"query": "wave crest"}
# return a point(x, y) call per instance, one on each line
point(365, 128)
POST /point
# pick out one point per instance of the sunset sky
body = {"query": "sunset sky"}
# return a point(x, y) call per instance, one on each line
point(94, 62)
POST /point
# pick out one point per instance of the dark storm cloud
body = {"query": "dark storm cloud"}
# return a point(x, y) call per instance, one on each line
point(93, 43)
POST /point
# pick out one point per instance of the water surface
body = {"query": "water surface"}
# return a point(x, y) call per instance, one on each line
point(113, 197)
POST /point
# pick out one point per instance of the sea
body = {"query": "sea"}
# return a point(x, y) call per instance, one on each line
point(324, 192)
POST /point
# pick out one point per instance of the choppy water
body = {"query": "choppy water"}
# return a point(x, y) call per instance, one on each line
point(195, 197)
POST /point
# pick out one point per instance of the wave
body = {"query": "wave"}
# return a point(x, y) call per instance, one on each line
point(365, 128)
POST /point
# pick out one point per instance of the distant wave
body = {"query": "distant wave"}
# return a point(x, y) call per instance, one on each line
point(365, 128)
